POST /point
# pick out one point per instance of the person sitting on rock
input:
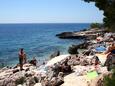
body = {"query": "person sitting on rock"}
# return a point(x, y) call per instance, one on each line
point(111, 49)
point(33, 61)
point(111, 56)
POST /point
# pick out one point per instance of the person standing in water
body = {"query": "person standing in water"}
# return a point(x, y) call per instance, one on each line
point(22, 58)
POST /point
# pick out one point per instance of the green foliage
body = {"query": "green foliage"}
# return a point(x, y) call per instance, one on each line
point(108, 7)
point(20, 81)
point(95, 25)
point(110, 80)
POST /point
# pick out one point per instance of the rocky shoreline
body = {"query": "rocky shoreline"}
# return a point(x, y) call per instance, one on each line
point(88, 34)
point(65, 70)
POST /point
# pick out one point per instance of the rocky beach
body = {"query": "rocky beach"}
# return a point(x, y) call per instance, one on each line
point(57, 43)
point(83, 66)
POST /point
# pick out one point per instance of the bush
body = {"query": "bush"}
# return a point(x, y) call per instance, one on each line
point(95, 25)
point(110, 80)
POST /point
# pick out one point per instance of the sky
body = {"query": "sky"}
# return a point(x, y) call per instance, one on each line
point(49, 11)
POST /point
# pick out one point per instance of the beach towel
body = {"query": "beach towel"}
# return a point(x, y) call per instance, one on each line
point(92, 75)
point(100, 49)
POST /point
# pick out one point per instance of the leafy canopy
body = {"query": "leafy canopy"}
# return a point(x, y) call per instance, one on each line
point(108, 7)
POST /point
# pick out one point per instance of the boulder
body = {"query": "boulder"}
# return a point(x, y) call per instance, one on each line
point(57, 53)
point(20, 80)
point(32, 82)
point(38, 84)
point(1, 82)
point(15, 70)
point(69, 35)
point(73, 49)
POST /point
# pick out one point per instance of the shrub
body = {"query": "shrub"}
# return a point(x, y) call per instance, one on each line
point(95, 25)
point(110, 80)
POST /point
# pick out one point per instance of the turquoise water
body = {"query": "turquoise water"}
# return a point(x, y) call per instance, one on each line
point(38, 40)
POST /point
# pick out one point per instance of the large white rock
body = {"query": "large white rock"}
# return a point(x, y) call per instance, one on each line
point(56, 59)
point(38, 84)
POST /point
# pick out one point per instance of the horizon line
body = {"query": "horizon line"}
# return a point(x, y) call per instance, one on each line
point(55, 23)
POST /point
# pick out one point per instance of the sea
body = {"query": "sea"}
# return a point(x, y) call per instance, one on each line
point(38, 40)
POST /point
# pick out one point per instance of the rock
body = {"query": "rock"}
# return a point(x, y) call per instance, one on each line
point(73, 49)
point(32, 82)
point(38, 84)
point(57, 53)
point(1, 82)
point(84, 45)
point(36, 79)
point(14, 77)
point(60, 79)
point(27, 69)
point(69, 35)
point(19, 85)
point(57, 81)
point(53, 81)
point(3, 69)
point(11, 83)
point(20, 80)
point(28, 74)
point(15, 70)
point(8, 82)
point(84, 34)
point(45, 82)
point(87, 52)
point(84, 62)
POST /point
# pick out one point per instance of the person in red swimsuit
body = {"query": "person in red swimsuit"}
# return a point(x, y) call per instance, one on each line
point(22, 58)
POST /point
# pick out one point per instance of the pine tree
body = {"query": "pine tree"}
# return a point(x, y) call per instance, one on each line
point(108, 7)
